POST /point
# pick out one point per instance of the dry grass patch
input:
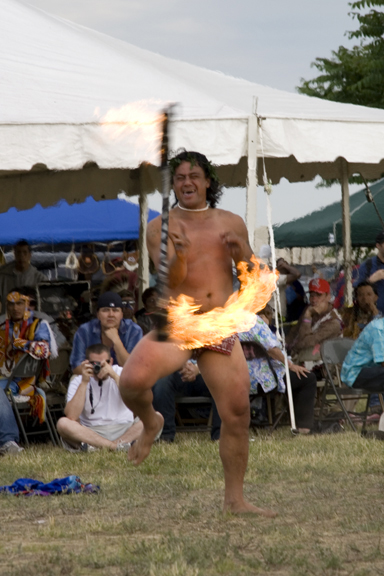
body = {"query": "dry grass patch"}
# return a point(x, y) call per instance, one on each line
point(164, 518)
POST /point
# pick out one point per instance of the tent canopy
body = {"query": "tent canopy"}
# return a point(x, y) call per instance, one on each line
point(70, 99)
point(315, 228)
point(102, 221)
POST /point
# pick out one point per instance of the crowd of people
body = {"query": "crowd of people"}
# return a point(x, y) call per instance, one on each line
point(118, 325)
point(124, 383)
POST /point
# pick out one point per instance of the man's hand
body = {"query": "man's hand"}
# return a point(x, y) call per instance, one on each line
point(236, 246)
point(113, 335)
point(106, 370)
point(376, 276)
point(86, 371)
point(319, 308)
point(180, 241)
point(372, 308)
point(189, 372)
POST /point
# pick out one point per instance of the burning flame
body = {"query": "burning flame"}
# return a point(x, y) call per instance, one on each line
point(237, 315)
point(139, 120)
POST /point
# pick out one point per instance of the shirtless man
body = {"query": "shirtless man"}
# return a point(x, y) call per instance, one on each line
point(203, 241)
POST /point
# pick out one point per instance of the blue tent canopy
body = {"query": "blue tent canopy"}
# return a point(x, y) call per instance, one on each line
point(101, 221)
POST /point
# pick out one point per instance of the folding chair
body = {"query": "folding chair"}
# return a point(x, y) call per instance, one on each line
point(28, 367)
point(333, 353)
point(194, 422)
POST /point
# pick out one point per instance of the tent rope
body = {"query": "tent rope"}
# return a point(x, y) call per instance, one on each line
point(276, 295)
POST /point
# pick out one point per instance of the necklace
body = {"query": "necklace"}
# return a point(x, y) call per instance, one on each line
point(194, 209)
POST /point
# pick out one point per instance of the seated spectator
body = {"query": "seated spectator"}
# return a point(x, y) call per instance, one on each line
point(32, 295)
point(95, 414)
point(296, 301)
point(372, 270)
point(21, 333)
point(319, 322)
point(363, 311)
point(9, 431)
point(146, 316)
point(109, 328)
point(287, 275)
point(129, 304)
point(187, 382)
point(363, 366)
point(266, 365)
point(20, 272)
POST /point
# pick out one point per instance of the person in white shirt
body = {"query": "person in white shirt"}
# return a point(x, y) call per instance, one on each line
point(95, 414)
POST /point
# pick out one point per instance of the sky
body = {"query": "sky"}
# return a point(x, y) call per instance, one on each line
point(271, 42)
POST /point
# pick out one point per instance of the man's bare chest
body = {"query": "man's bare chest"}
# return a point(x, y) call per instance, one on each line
point(205, 239)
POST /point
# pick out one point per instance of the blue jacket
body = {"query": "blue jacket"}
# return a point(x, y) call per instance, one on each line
point(90, 333)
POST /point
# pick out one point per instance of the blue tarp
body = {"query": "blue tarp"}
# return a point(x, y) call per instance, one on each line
point(63, 224)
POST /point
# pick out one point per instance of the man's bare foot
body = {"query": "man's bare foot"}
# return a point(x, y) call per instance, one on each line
point(247, 508)
point(141, 447)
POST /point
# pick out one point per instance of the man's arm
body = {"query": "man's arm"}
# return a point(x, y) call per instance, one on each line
point(291, 272)
point(178, 245)
point(122, 354)
point(75, 406)
point(40, 346)
point(78, 352)
point(374, 276)
point(277, 354)
point(236, 240)
point(308, 339)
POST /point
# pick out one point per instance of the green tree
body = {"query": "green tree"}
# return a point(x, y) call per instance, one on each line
point(354, 75)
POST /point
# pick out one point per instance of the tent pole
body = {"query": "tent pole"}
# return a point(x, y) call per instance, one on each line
point(347, 244)
point(144, 258)
point(251, 195)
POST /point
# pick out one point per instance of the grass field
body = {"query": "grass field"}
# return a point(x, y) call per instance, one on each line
point(164, 518)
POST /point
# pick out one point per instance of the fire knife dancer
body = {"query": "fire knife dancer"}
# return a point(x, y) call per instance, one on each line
point(202, 241)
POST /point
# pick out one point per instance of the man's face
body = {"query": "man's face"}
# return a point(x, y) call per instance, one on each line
point(16, 310)
point(151, 302)
point(104, 356)
point(190, 186)
point(366, 298)
point(319, 300)
point(128, 307)
point(22, 257)
point(110, 317)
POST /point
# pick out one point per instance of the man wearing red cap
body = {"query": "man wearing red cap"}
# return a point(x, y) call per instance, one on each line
point(319, 322)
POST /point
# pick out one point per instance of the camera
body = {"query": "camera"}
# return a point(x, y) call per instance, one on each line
point(96, 367)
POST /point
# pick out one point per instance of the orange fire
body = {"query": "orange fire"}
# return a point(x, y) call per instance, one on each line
point(237, 315)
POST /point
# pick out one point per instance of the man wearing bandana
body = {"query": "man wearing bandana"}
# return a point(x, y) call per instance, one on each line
point(21, 333)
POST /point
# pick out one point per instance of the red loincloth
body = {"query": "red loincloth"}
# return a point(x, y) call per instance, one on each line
point(225, 347)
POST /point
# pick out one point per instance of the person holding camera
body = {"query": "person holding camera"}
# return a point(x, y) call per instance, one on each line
point(109, 328)
point(95, 414)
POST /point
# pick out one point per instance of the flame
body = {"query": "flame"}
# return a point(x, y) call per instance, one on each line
point(140, 120)
point(238, 314)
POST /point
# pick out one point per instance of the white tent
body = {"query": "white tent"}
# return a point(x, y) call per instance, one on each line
point(57, 140)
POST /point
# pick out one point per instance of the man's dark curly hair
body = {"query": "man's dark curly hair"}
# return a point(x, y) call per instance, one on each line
point(214, 192)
